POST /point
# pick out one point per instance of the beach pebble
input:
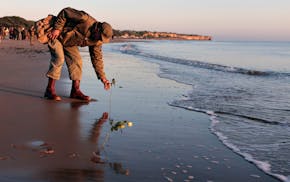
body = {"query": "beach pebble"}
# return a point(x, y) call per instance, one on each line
point(190, 177)
point(73, 155)
point(255, 176)
point(205, 157)
point(215, 162)
point(184, 171)
point(173, 172)
point(168, 179)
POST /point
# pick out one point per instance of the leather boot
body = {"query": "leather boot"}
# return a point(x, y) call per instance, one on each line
point(50, 91)
point(76, 93)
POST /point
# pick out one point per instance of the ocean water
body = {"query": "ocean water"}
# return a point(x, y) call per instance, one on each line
point(244, 88)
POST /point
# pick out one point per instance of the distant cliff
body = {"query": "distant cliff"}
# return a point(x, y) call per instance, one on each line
point(129, 34)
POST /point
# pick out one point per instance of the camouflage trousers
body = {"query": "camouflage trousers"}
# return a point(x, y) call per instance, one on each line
point(59, 54)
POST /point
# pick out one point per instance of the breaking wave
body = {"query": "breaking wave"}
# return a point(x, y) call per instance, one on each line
point(133, 50)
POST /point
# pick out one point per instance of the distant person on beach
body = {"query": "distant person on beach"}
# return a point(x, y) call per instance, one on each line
point(31, 31)
point(70, 29)
point(2, 34)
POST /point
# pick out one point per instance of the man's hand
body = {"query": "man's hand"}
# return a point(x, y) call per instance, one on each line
point(106, 83)
point(105, 115)
point(53, 34)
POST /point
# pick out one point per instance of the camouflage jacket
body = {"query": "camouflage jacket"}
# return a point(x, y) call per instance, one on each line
point(75, 27)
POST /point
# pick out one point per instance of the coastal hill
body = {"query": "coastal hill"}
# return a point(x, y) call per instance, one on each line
point(16, 21)
point(128, 34)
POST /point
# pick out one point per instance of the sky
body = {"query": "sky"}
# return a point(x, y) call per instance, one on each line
point(224, 20)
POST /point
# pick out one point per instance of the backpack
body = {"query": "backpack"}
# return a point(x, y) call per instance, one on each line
point(43, 27)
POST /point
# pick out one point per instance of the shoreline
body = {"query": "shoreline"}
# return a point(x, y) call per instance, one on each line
point(174, 144)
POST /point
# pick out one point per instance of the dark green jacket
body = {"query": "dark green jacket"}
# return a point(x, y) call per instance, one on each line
point(75, 27)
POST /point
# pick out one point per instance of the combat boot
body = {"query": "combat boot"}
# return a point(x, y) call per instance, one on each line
point(76, 93)
point(50, 93)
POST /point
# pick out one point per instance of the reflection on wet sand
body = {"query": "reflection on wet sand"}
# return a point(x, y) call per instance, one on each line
point(96, 163)
point(51, 146)
point(97, 126)
point(94, 138)
point(118, 168)
point(76, 105)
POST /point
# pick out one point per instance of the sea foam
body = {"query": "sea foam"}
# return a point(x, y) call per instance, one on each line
point(263, 165)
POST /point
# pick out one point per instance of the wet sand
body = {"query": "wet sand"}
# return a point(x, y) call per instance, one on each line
point(43, 140)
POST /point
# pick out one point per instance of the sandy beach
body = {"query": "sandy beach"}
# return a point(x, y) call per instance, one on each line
point(44, 140)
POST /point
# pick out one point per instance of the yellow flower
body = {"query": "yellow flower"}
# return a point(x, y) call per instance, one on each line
point(130, 124)
point(122, 126)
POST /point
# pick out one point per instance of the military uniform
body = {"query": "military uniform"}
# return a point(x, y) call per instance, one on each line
point(76, 30)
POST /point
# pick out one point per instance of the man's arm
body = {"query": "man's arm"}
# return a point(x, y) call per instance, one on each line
point(98, 64)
